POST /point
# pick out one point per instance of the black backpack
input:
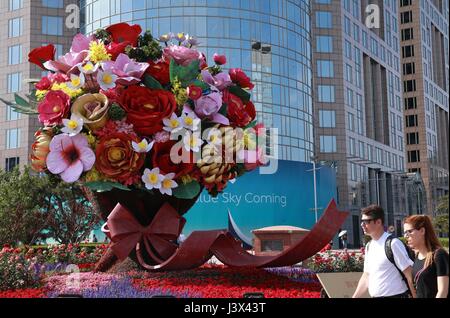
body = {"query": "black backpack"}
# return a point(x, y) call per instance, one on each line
point(390, 255)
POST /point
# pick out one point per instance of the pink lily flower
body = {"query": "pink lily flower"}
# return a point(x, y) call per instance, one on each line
point(70, 156)
point(128, 71)
point(221, 80)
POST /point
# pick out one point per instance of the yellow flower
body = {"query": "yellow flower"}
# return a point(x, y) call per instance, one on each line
point(179, 92)
point(93, 175)
point(63, 87)
point(186, 179)
point(92, 141)
point(250, 139)
point(40, 94)
point(97, 52)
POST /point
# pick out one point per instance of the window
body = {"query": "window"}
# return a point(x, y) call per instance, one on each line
point(323, 1)
point(412, 138)
point(325, 68)
point(408, 51)
point(351, 121)
point(15, 4)
point(406, 17)
point(326, 93)
point(14, 82)
point(409, 68)
point(53, 3)
point(327, 118)
point(347, 26)
point(323, 19)
point(12, 138)
point(411, 121)
point(15, 27)
point(324, 44)
point(327, 143)
point(409, 86)
point(407, 34)
point(411, 103)
point(405, 3)
point(52, 25)
point(414, 156)
point(15, 54)
point(348, 73)
point(348, 49)
point(272, 245)
point(11, 114)
point(10, 163)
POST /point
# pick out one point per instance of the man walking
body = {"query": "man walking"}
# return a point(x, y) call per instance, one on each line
point(381, 278)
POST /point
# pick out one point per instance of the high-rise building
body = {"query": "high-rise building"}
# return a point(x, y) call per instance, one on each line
point(359, 124)
point(269, 40)
point(25, 25)
point(425, 76)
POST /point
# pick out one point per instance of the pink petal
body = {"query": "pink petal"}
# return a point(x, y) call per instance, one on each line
point(87, 157)
point(72, 172)
point(219, 118)
point(80, 42)
point(60, 142)
point(80, 142)
point(56, 163)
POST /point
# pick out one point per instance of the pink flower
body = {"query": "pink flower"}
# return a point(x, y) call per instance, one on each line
point(70, 156)
point(128, 71)
point(221, 80)
point(161, 136)
point(54, 107)
point(208, 106)
point(219, 59)
point(182, 55)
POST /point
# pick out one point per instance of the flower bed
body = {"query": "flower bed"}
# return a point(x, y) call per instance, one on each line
point(337, 261)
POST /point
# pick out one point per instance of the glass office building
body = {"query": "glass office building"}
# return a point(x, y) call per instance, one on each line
point(268, 39)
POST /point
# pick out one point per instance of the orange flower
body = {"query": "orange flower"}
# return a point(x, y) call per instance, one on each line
point(40, 149)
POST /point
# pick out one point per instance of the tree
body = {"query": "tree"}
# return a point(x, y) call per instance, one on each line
point(35, 207)
point(441, 217)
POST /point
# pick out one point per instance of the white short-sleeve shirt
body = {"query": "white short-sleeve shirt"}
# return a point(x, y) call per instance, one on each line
point(384, 278)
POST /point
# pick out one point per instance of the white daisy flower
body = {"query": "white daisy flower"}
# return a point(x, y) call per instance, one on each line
point(167, 184)
point(106, 80)
point(88, 68)
point(192, 142)
point(76, 82)
point(152, 178)
point(72, 126)
point(190, 121)
point(214, 136)
point(172, 124)
point(143, 146)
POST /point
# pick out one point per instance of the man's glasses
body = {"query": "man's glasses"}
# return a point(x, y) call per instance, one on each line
point(366, 221)
point(408, 232)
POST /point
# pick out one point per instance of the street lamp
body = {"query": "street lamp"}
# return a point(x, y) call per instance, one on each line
point(313, 159)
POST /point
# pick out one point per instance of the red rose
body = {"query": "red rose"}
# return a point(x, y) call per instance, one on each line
point(238, 113)
point(122, 32)
point(219, 59)
point(160, 71)
point(146, 108)
point(239, 77)
point(41, 55)
point(43, 84)
point(116, 48)
point(161, 159)
point(116, 159)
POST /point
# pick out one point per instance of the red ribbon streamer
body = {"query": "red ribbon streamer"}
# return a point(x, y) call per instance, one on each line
point(160, 236)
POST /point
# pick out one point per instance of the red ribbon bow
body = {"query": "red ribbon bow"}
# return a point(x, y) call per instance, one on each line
point(125, 231)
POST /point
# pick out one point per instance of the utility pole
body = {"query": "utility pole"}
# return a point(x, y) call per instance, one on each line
point(313, 159)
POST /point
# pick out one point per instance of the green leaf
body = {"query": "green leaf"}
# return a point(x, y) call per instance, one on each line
point(251, 125)
point(185, 74)
point(239, 92)
point(200, 84)
point(187, 191)
point(21, 101)
point(223, 110)
point(103, 186)
point(151, 82)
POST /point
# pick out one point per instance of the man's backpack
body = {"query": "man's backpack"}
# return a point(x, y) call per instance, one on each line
point(390, 255)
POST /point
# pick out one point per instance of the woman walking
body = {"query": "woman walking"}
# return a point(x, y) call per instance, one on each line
point(431, 266)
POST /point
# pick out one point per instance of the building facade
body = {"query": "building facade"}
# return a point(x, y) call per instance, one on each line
point(359, 124)
point(269, 40)
point(425, 75)
point(25, 24)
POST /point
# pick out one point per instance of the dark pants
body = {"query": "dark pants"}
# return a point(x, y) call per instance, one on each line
point(406, 294)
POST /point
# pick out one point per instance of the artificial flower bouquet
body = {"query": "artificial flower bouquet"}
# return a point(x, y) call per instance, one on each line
point(124, 110)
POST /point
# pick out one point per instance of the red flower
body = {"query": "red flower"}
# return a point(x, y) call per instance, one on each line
point(239, 114)
point(161, 159)
point(194, 92)
point(41, 55)
point(160, 71)
point(43, 84)
point(239, 77)
point(122, 32)
point(54, 107)
point(219, 59)
point(116, 48)
point(146, 108)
